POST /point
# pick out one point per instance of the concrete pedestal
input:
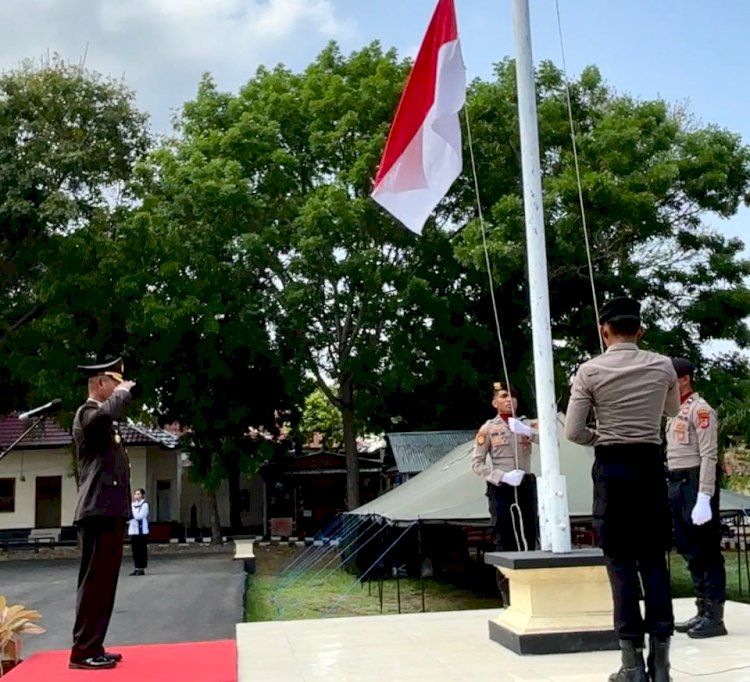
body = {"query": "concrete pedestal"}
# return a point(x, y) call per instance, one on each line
point(559, 603)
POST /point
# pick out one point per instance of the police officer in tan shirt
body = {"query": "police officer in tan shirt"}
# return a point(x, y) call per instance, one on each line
point(629, 390)
point(511, 488)
point(692, 458)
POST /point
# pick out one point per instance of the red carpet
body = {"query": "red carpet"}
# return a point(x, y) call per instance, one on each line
point(184, 662)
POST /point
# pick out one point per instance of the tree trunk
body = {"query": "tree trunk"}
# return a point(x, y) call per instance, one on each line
point(215, 521)
point(350, 446)
point(235, 503)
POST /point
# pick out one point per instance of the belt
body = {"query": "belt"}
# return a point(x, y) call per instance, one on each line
point(528, 478)
point(683, 474)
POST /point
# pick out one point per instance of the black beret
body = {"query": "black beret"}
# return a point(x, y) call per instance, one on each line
point(683, 367)
point(618, 309)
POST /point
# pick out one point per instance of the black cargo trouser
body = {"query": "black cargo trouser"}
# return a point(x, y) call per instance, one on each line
point(512, 525)
point(633, 523)
point(699, 545)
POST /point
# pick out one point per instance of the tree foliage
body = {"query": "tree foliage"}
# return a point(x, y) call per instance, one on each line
point(651, 181)
point(242, 265)
point(321, 419)
point(69, 139)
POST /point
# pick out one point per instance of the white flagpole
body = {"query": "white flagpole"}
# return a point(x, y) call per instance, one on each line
point(553, 502)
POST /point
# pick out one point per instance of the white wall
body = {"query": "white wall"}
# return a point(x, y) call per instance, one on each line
point(193, 494)
point(162, 466)
point(138, 467)
point(147, 465)
point(30, 464)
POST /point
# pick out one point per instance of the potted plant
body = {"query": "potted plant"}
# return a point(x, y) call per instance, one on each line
point(15, 621)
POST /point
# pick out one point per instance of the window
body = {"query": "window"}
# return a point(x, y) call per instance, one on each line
point(7, 495)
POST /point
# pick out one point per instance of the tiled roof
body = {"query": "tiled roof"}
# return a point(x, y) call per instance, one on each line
point(415, 451)
point(49, 434)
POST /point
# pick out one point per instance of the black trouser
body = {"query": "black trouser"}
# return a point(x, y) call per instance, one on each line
point(699, 545)
point(101, 556)
point(513, 524)
point(139, 546)
point(633, 523)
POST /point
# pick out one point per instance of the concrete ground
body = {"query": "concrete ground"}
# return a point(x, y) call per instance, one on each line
point(184, 597)
point(454, 646)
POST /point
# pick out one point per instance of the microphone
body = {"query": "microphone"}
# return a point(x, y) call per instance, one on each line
point(50, 408)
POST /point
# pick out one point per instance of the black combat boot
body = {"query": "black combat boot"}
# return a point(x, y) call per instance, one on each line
point(686, 625)
point(633, 668)
point(658, 659)
point(712, 623)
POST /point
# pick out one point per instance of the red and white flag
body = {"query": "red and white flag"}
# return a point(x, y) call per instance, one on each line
point(422, 156)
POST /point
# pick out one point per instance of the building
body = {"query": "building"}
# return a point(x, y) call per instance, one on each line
point(37, 477)
point(415, 451)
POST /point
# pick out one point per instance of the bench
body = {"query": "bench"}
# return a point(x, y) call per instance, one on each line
point(49, 536)
point(13, 538)
point(18, 539)
point(243, 551)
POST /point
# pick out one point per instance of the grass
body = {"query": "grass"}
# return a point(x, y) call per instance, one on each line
point(294, 595)
point(275, 594)
point(682, 586)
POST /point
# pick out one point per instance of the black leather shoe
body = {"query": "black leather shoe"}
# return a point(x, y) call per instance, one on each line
point(112, 656)
point(92, 663)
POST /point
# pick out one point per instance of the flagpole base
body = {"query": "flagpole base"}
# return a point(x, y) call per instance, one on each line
point(559, 603)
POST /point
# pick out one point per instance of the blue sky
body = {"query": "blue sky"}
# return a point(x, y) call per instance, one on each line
point(690, 51)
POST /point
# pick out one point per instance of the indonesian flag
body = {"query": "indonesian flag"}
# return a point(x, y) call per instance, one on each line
point(422, 156)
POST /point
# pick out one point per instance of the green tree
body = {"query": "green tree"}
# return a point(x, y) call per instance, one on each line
point(725, 382)
point(204, 324)
point(296, 154)
point(321, 418)
point(651, 181)
point(69, 139)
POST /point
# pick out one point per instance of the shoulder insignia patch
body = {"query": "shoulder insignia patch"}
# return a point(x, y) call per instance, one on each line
point(704, 418)
point(481, 438)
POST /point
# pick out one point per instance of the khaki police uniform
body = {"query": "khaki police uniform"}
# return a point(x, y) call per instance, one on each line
point(497, 450)
point(629, 390)
point(692, 459)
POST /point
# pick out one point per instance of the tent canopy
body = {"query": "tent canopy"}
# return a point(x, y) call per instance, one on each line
point(449, 491)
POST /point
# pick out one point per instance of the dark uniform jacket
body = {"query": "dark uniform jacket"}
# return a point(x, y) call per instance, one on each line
point(103, 466)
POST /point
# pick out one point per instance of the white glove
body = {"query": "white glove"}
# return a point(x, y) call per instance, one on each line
point(521, 429)
point(702, 510)
point(518, 427)
point(513, 478)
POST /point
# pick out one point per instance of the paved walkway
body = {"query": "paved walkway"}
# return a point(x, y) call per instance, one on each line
point(182, 598)
point(454, 646)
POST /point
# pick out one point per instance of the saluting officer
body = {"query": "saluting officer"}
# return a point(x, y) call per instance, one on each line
point(692, 459)
point(508, 473)
point(102, 510)
point(629, 390)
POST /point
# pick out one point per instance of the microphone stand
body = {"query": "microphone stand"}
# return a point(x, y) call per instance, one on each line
point(22, 436)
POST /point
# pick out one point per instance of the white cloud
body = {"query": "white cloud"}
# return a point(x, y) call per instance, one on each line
point(161, 47)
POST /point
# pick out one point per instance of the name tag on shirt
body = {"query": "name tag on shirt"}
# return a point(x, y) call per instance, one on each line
point(681, 431)
point(499, 438)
